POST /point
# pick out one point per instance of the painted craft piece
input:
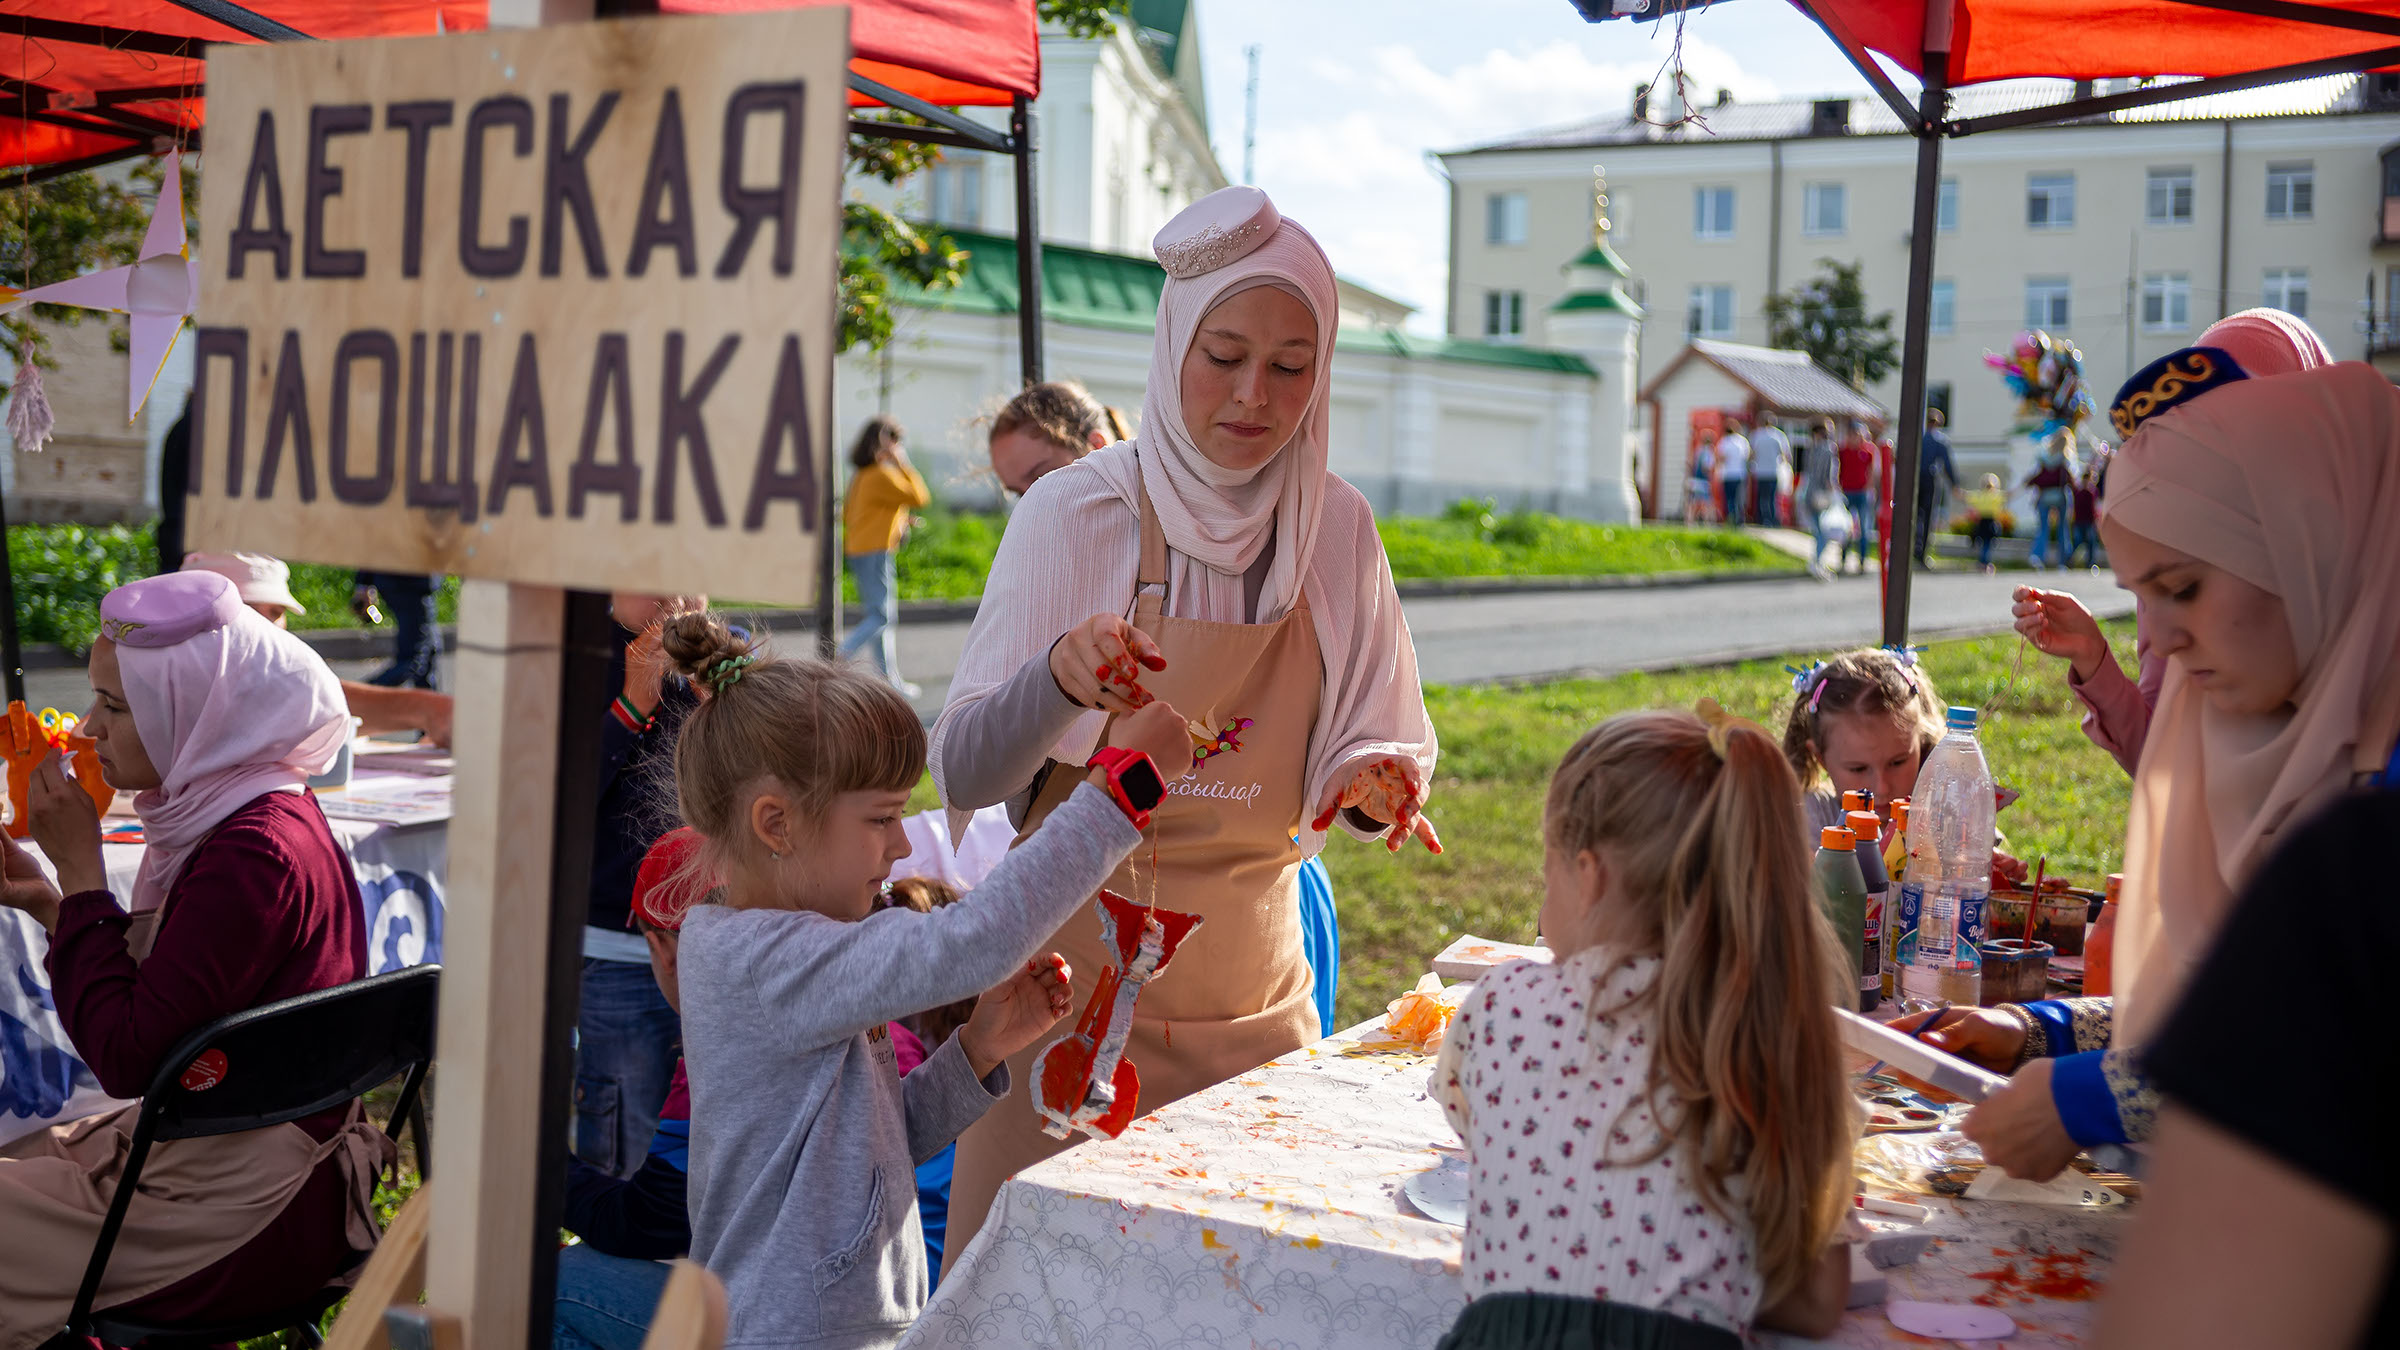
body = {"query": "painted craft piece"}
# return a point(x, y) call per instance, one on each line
point(1083, 1080)
point(28, 741)
point(1206, 743)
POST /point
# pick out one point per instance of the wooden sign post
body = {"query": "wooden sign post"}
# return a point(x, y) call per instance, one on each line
point(546, 309)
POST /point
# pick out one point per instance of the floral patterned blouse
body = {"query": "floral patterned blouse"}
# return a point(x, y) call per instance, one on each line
point(1564, 1197)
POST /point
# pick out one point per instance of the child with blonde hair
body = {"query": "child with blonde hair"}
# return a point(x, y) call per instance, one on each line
point(796, 775)
point(1658, 1124)
point(1861, 721)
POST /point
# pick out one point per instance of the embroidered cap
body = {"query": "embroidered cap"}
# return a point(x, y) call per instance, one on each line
point(1214, 231)
point(2169, 382)
point(163, 610)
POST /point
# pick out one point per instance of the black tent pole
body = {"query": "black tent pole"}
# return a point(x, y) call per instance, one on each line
point(1029, 245)
point(1899, 545)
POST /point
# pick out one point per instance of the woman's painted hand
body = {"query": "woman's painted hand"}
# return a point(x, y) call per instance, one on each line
point(1386, 791)
point(1159, 732)
point(23, 885)
point(1983, 1036)
point(1014, 1013)
point(67, 826)
point(2057, 624)
point(2018, 1127)
point(1099, 663)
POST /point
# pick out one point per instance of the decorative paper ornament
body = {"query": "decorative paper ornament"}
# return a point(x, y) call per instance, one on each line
point(29, 419)
point(1083, 1081)
point(157, 291)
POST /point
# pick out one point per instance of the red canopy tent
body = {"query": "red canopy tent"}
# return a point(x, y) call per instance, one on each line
point(2193, 48)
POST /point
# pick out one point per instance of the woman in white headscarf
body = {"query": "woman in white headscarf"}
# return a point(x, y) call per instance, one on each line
point(1214, 563)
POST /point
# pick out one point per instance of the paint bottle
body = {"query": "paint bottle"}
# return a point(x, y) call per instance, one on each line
point(2100, 947)
point(1867, 828)
point(1858, 801)
point(1842, 892)
point(1895, 863)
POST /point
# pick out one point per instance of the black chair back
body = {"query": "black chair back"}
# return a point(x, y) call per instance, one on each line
point(295, 1057)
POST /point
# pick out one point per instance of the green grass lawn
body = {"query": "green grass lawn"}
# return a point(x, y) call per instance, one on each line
point(1499, 746)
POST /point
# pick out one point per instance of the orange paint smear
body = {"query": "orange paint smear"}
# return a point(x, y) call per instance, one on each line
point(2056, 1278)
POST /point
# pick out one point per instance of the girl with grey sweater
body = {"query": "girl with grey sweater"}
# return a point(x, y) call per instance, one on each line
point(796, 773)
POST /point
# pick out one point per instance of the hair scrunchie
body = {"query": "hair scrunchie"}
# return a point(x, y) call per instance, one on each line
point(1722, 725)
point(727, 673)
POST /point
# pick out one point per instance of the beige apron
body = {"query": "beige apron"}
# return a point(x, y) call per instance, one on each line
point(199, 1201)
point(1237, 993)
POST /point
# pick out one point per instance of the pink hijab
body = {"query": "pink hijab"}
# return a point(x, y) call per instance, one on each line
point(2291, 483)
point(229, 707)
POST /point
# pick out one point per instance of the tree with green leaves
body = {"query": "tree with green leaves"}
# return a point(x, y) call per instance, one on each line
point(1826, 317)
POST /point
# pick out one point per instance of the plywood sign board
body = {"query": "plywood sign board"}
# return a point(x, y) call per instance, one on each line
point(550, 306)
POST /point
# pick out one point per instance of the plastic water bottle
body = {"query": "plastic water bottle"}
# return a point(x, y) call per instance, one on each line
point(1842, 889)
point(1868, 827)
point(1939, 948)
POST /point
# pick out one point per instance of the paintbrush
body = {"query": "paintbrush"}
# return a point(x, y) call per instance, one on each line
point(1916, 1035)
point(2034, 906)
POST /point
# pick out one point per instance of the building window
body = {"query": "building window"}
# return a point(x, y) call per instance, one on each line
point(2287, 290)
point(954, 191)
point(1824, 209)
point(1712, 213)
point(2050, 201)
point(1503, 315)
point(2167, 301)
point(1712, 311)
point(1504, 218)
point(1937, 399)
point(2046, 302)
point(2169, 200)
point(2291, 191)
point(1941, 315)
point(1945, 207)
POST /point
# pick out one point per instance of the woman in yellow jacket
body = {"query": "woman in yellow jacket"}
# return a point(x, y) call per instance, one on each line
point(883, 490)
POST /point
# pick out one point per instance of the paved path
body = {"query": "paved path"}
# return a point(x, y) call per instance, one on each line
point(1467, 639)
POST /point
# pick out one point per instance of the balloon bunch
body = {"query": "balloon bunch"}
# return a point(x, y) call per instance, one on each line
point(2046, 375)
point(26, 740)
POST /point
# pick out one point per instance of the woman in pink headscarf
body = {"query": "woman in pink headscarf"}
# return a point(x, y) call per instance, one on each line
point(216, 719)
point(2254, 521)
point(2261, 342)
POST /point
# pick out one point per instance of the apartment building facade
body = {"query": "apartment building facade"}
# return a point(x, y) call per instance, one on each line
point(2128, 235)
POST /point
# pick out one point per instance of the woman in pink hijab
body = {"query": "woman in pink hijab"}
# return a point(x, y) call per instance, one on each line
point(2261, 342)
point(2254, 521)
point(216, 718)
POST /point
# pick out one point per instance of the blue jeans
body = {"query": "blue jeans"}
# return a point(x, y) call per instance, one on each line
point(418, 639)
point(1733, 489)
point(879, 595)
point(1762, 501)
point(2050, 515)
point(1987, 532)
point(604, 1302)
point(1862, 522)
point(627, 1039)
point(2084, 543)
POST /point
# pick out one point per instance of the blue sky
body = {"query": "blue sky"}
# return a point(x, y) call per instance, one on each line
point(1353, 93)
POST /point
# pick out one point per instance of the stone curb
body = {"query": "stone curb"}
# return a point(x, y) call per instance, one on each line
point(367, 644)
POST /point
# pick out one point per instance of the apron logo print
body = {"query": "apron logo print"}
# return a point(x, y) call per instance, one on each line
point(1206, 743)
point(206, 1070)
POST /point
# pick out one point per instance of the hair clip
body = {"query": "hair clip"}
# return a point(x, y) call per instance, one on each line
point(728, 672)
point(1722, 724)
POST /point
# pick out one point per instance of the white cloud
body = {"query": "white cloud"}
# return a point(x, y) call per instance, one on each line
point(1345, 149)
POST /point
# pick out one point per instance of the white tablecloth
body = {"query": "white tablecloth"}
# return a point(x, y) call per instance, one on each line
point(400, 873)
point(1267, 1212)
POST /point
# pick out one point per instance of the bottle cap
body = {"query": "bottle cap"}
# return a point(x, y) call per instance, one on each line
point(1858, 801)
point(2115, 881)
point(1866, 825)
point(1838, 839)
point(1962, 719)
point(1900, 813)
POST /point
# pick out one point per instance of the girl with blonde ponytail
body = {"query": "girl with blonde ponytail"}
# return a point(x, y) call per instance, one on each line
point(1658, 1124)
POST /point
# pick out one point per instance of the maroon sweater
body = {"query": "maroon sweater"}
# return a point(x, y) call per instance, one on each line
point(266, 908)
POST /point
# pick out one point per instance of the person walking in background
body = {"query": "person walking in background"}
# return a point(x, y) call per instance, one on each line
point(1856, 460)
point(2051, 481)
point(1770, 460)
point(1814, 499)
point(1733, 469)
point(417, 639)
point(1700, 489)
point(1936, 473)
point(884, 488)
point(1986, 503)
point(174, 484)
point(2085, 542)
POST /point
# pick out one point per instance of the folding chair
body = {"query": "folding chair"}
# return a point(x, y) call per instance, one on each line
point(273, 1065)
